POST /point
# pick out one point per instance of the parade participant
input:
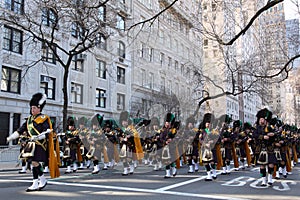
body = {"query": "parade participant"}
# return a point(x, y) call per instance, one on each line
point(209, 138)
point(71, 140)
point(191, 138)
point(83, 135)
point(111, 143)
point(153, 146)
point(39, 128)
point(97, 140)
point(238, 152)
point(126, 139)
point(266, 141)
point(167, 134)
point(227, 140)
point(246, 138)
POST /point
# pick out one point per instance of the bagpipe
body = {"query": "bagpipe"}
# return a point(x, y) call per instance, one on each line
point(28, 150)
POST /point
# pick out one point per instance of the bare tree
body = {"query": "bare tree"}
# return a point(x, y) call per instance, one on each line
point(64, 30)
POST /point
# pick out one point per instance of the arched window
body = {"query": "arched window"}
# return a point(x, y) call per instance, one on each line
point(121, 49)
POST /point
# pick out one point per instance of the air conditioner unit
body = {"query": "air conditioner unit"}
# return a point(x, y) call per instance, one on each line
point(104, 95)
point(45, 79)
point(73, 89)
point(81, 56)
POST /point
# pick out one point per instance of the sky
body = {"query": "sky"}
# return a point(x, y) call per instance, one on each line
point(290, 9)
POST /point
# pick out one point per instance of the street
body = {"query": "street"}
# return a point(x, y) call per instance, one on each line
point(148, 184)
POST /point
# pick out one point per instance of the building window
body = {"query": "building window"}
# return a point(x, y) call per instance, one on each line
point(11, 80)
point(48, 53)
point(176, 65)
point(77, 62)
point(120, 75)
point(205, 43)
point(48, 86)
point(144, 106)
point(17, 6)
point(151, 54)
point(101, 69)
point(143, 47)
point(49, 17)
point(100, 98)
point(102, 13)
point(76, 93)
point(151, 80)
point(101, 41)
point(121, 49)
point(162, 58)
point(120, 101)
point(120, 23)
point(169, 62)
point(77, 31)
point(12, 40)
point(143, 77)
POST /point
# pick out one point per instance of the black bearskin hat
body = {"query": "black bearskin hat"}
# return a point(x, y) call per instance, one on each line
point(264, 113)
point(108, 123)
point(97, 120)
point(208, 118)
point(71, 121)
point(225, 118)
point(124, 116)
point(246, 126)
point(237, 123)
point(170, 118)
point(38, 100)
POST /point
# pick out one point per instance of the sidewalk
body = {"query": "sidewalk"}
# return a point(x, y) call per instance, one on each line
point(9, 166)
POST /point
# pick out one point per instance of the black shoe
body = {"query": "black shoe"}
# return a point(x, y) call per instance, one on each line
point(20, 172)
point(208, 179)
point(214, 177)
point(31, 190)
point(167, 177)
point(124, 174)
point(224, 173)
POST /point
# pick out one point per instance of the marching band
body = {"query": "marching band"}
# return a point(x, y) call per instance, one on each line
point(214, 145)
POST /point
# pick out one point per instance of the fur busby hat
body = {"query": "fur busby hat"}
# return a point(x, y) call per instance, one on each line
point(108, 123)
point(124, 116)
point(208, 118)
point(170, 118)
point(246, 126)
point(264, 113)
point(82, 121)
point(225, 118)
point(237, 123)
point(38, 100)
point(154, 121)
point(97, 120)
point(71, 121)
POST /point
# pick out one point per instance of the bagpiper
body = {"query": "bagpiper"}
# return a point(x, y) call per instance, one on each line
point(209, 137)
point(265, 137)
point(40, 147)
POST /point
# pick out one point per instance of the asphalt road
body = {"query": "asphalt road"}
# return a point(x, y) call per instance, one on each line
point(146, 184)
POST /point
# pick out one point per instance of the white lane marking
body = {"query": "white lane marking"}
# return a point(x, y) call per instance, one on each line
point(214, 196)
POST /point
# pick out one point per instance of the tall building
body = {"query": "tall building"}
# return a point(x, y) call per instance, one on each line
point(225, 65)
point(276, 56)
point(146, 70)
point(165, 52)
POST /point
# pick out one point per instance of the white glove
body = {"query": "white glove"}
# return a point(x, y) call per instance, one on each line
point(38, 137)
point(13, 136)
